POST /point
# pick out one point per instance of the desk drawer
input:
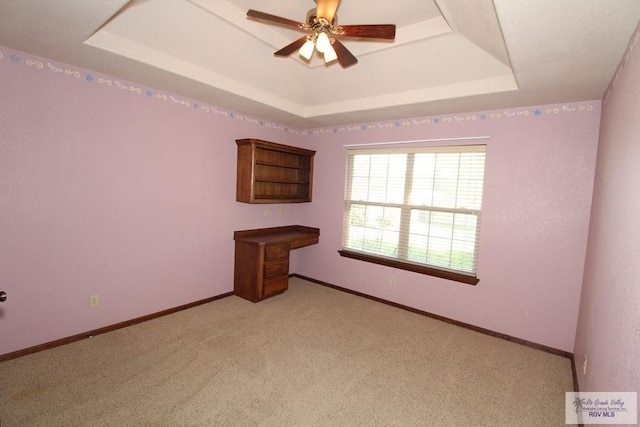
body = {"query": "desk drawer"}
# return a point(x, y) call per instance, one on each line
point(307, 240)
point(275, 286)
point(276, 268)
point(276, 250)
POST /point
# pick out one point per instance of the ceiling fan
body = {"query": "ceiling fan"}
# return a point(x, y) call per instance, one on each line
point(322, 23)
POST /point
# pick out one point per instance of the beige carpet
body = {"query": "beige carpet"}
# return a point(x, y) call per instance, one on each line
point(313, 356)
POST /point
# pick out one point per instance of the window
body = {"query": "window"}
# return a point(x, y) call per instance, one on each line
point(416, 209)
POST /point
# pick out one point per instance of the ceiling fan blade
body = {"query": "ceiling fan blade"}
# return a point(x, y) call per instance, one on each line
point(327, 9)
point(275, 19)
point(385, 31)
point(345, 57)
point(290, 48)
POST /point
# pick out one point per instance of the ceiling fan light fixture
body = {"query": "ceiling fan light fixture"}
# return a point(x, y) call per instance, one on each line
point(330, 54)
point(307, 49)
point(322, 24)
point(323, 42)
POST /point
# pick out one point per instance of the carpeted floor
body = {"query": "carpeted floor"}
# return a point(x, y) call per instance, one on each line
point(313, 356)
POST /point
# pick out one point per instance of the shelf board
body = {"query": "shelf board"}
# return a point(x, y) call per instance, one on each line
point(280, 165)
point(283, 181)
point(277, 198)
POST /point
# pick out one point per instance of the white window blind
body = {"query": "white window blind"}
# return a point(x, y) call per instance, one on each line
point(416, 205)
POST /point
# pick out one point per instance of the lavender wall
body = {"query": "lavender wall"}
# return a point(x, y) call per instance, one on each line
point(127, 192)
point(609, 324)
point(111, 189)
point(538, 187)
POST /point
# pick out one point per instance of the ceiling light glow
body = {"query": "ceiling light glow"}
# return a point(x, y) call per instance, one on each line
point(323, 42)
point(307, 49)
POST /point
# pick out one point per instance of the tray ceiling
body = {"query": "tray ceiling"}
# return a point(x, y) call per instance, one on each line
point(448, 56)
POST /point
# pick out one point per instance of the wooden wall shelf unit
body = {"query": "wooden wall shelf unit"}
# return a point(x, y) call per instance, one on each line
point(273, 173)
point(261, 267)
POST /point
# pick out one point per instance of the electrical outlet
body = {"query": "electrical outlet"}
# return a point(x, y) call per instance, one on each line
point(392, 280)
point(93, 300)
point(584, 366)
point(266, 213)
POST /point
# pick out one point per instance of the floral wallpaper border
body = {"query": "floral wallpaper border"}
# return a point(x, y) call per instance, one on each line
point(16, 58)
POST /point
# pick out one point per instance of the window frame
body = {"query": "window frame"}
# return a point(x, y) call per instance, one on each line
point(469, 278)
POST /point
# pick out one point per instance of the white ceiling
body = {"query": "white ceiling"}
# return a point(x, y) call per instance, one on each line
point(448, 56)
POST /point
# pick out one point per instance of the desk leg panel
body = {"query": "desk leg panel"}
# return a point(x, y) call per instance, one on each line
point(248, 271)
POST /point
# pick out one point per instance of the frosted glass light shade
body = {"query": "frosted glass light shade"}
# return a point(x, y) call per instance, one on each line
point(329, 54)
point(306, 50)
point(323, 42)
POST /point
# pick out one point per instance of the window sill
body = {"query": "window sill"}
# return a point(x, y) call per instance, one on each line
point(416, 268)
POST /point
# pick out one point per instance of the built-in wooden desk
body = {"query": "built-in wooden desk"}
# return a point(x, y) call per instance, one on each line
point(262, 259)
